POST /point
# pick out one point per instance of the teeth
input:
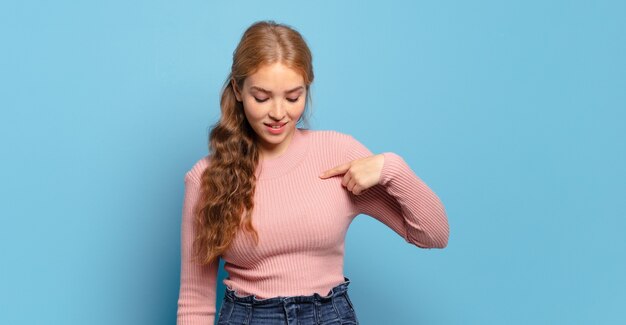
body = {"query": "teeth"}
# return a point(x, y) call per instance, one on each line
point(275, 126)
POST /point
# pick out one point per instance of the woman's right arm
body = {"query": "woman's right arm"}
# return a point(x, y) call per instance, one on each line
point(197, 295)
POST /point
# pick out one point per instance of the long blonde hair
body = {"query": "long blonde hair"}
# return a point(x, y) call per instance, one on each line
point(228, 184)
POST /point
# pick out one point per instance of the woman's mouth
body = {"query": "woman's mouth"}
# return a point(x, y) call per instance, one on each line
point(275, 129)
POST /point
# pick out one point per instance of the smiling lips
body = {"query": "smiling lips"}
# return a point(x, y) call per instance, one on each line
point(277, 129)
point(275, 124)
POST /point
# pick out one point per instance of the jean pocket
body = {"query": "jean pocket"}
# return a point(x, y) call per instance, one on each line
point(224, 313)
point(345, 309)
point(349, 302)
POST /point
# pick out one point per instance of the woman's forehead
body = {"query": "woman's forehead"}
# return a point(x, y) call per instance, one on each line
point(275, 78)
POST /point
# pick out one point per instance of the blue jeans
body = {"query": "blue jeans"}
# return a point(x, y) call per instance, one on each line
point(332, 309)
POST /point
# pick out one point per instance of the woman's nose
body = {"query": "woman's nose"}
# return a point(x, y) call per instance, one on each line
point(277, 112)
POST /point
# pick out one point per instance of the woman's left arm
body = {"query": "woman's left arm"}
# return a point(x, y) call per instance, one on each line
point(402, 201)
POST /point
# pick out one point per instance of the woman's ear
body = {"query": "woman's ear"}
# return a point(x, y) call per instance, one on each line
point(235, 89)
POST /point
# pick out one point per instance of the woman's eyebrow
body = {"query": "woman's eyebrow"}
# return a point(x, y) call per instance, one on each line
point(269, 92)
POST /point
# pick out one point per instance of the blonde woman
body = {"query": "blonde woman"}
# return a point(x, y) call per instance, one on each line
point(275, 201)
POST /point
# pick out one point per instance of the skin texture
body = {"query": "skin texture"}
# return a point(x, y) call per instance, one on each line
point(282, 106)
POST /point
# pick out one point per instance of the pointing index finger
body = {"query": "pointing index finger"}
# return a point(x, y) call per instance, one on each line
point(337, 170)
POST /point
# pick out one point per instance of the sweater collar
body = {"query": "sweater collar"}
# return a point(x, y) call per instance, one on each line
point(280, 165)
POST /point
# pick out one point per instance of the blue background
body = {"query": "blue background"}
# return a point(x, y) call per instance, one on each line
point(512, 112)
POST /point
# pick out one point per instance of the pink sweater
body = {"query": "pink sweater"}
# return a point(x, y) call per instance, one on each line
point(302, 221)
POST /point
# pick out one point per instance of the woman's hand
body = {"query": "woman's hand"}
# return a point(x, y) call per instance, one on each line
point(359, 174)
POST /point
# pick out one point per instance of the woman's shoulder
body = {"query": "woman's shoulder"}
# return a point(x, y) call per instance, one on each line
point(332, 136)
point(195, 172)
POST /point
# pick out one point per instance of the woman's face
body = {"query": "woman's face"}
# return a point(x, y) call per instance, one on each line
point(274, 94)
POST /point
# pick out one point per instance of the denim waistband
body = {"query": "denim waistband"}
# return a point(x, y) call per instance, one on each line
point(253, 300)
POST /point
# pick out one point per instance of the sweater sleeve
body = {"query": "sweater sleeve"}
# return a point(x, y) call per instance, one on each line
point(197, 295)
point(402, 201)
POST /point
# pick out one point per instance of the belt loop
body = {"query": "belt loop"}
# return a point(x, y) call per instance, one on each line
point(290, 311)
point(286, 311)
point(318, 311)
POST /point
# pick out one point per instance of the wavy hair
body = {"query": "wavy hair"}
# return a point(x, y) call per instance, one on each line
point(228, 184)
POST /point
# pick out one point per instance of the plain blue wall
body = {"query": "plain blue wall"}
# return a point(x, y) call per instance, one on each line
point(512, 112)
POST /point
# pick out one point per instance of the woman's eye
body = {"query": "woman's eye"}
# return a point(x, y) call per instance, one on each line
point(292, 100)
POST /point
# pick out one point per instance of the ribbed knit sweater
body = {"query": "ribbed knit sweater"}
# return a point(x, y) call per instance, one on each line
point(302, 222)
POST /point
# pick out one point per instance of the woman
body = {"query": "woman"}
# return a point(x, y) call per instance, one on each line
point(275, 201)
